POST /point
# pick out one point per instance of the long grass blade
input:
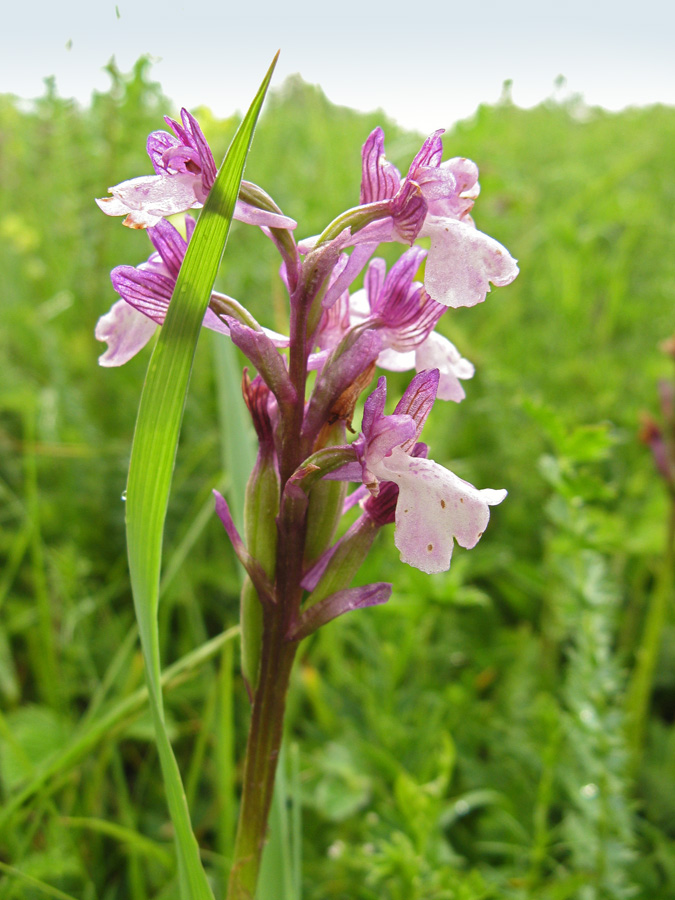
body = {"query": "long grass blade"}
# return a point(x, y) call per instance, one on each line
point(154, 452)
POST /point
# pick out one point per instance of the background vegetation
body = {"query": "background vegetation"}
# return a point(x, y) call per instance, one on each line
point(502, 731)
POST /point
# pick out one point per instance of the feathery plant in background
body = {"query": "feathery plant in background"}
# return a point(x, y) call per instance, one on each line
point(302, 402)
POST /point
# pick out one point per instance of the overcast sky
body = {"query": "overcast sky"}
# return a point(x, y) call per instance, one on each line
point(427, 63)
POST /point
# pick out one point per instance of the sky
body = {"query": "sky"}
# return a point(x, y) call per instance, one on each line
point(426, 64)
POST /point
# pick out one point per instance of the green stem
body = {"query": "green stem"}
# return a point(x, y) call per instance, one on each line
point(640, 688)
point(262, 752)
point(269, 701)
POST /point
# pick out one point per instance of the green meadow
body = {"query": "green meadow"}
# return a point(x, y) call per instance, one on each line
point(503, 730)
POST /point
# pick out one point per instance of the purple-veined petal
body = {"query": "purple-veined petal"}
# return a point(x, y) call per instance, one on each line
point(198, 141)
point(146, 290)
point(412, 320)
point(395, 304)
point(357, 259)
point(434, 508)
point(396, 285)
point(158, 143)
point(380, 179)
point(409, 210)
point(170, 244)
point(429, 154)
point(373, 284)
point(418, 400)
point(149, 292)
point(462, 262)
point(125, 330)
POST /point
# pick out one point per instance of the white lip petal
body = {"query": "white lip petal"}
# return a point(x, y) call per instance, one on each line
point(463, 261)
point(434, 508)
point(437, 352)
point(125, 330)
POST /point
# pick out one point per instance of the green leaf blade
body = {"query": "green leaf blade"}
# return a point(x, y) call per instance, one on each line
point(154, 452)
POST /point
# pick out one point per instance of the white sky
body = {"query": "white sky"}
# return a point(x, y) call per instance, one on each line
point(427, 63)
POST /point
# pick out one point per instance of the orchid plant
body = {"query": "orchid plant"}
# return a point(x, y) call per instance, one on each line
point(298, 575)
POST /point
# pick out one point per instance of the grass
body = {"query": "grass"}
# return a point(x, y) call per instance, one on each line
point(468, 740)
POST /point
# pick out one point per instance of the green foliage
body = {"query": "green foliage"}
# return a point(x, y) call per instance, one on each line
point(468, 740)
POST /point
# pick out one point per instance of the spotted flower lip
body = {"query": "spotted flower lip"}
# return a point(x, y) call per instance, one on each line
point(434, 507)
point(184, 174)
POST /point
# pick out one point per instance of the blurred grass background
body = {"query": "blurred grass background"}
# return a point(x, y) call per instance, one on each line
point(476, 737)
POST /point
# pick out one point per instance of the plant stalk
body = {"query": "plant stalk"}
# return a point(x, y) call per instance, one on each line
point(262, 753)
point(640, 688)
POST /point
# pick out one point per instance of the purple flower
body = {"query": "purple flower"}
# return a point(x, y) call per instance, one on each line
point(184, 174)
point(404, 315)
point(434, 507)
point(407, 315)
point(434, 201)
point(398, 305)
point(146, 291)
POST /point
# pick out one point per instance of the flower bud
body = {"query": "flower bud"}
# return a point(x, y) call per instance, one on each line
point(340, 564)
point(261, 506)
